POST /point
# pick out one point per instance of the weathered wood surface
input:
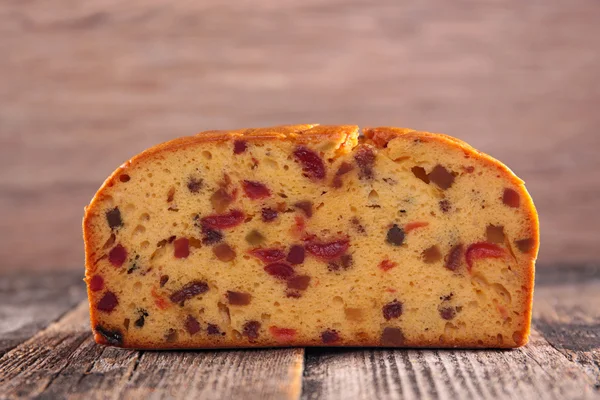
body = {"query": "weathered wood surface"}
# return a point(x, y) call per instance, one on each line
point(87, 84)
point(62, 361)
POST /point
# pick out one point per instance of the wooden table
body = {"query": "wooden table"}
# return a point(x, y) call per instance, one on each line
point(47, 351)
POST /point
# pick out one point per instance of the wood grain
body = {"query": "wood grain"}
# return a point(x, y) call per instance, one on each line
point(86, 85)
point(561, 361)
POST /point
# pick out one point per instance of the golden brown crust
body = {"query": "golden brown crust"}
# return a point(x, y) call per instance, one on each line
point(347, 135)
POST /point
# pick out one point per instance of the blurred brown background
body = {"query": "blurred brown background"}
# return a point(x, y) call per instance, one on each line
point(84, 85)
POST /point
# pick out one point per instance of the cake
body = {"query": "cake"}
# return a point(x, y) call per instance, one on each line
point(311, 235)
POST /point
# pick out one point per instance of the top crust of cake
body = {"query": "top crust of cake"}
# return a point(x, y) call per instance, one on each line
point(336, 140)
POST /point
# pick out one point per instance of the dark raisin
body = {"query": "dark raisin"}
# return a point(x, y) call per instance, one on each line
point(511, 198)
point(447, 313)
point(181, 248)
point(142, 319)
point(296, 255)
point(395, 236)
point(346, 261)
point(163, 280)
point(392, 337)
point(448, 297)
point(306, 207)
point(312, 164)
point(441, 177)
point(190, 290)
point(359, 227)
point(113, 217)
point(194, 185)
point(213, 329)
point(269, 214)
point(525, 245)
point(211, 236)
point(280, 270)
point(96, 283)
point(251, 329)
point(300, 282)
point(192, 326)
point(239, 146)
point(445, 205)
point(124, 178)
point(117, 256)
point(344, 168)
point(392, 310)
point(111, 336)
point(108, 302)
point(330, 336)
point(453, 260)
point(365, 158)
point(238, 298)
point(420, 173)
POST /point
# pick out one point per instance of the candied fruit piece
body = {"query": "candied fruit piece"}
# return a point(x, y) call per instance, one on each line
point(300, 282)
point(296, 255)
point(445, 206)
point(453, 260)
point(432, 255)
point(392, 310)
point(525, 245)
point(117, 256)
point(344, 168)
point(269, 214)
point(282, 334)
point(108, 302)
point(365, 158)
point(441, 177)
point(190, 290)
point(306, 207)
point(386, 265)
point(312, 164)
point(192, 326)
point(194, 185)
point(96, 283)
point(268, 255)
point(256, 190)
point(171, 336)
point(255, 238)
point(220, 200)
point(414, 225)
point(330, 336)
point(113, 217)
point(328, 250)
point(494, 234)
point(481, 250)
point(395, 235)
point(447, 313)
point(163, 280)
point(280, 270)
point(250, 330)
point(511, 198)
point(239, 146)
point(238, 298)
point(124, 178)
point(213, 329)
point(224, 252)
point(224, 221)
point(181, 248)
point(160, 301)
point(420, 173)
point(392, 337)
point(111, 336)
point(171, 195)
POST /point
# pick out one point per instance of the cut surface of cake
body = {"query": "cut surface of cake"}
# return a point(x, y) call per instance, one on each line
point(311, 235)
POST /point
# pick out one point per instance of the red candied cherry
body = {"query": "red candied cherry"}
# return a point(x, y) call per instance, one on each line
point(282, 334)
point(108, 302)
point(328, 250)
point(239, 146)
point(268, 255)
point(511, 198)
point(181, 248)
point(117, 256)
point(96, 283)
point(256, 190)
point(296, 255)
point(224, 221)
point(481, 250)
point(312, 164)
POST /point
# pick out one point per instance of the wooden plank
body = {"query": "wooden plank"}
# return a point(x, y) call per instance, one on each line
point(517, 79)
point(30, 301)
point(63, 361)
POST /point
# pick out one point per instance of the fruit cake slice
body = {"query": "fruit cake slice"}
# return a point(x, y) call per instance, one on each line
point(311, 236)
